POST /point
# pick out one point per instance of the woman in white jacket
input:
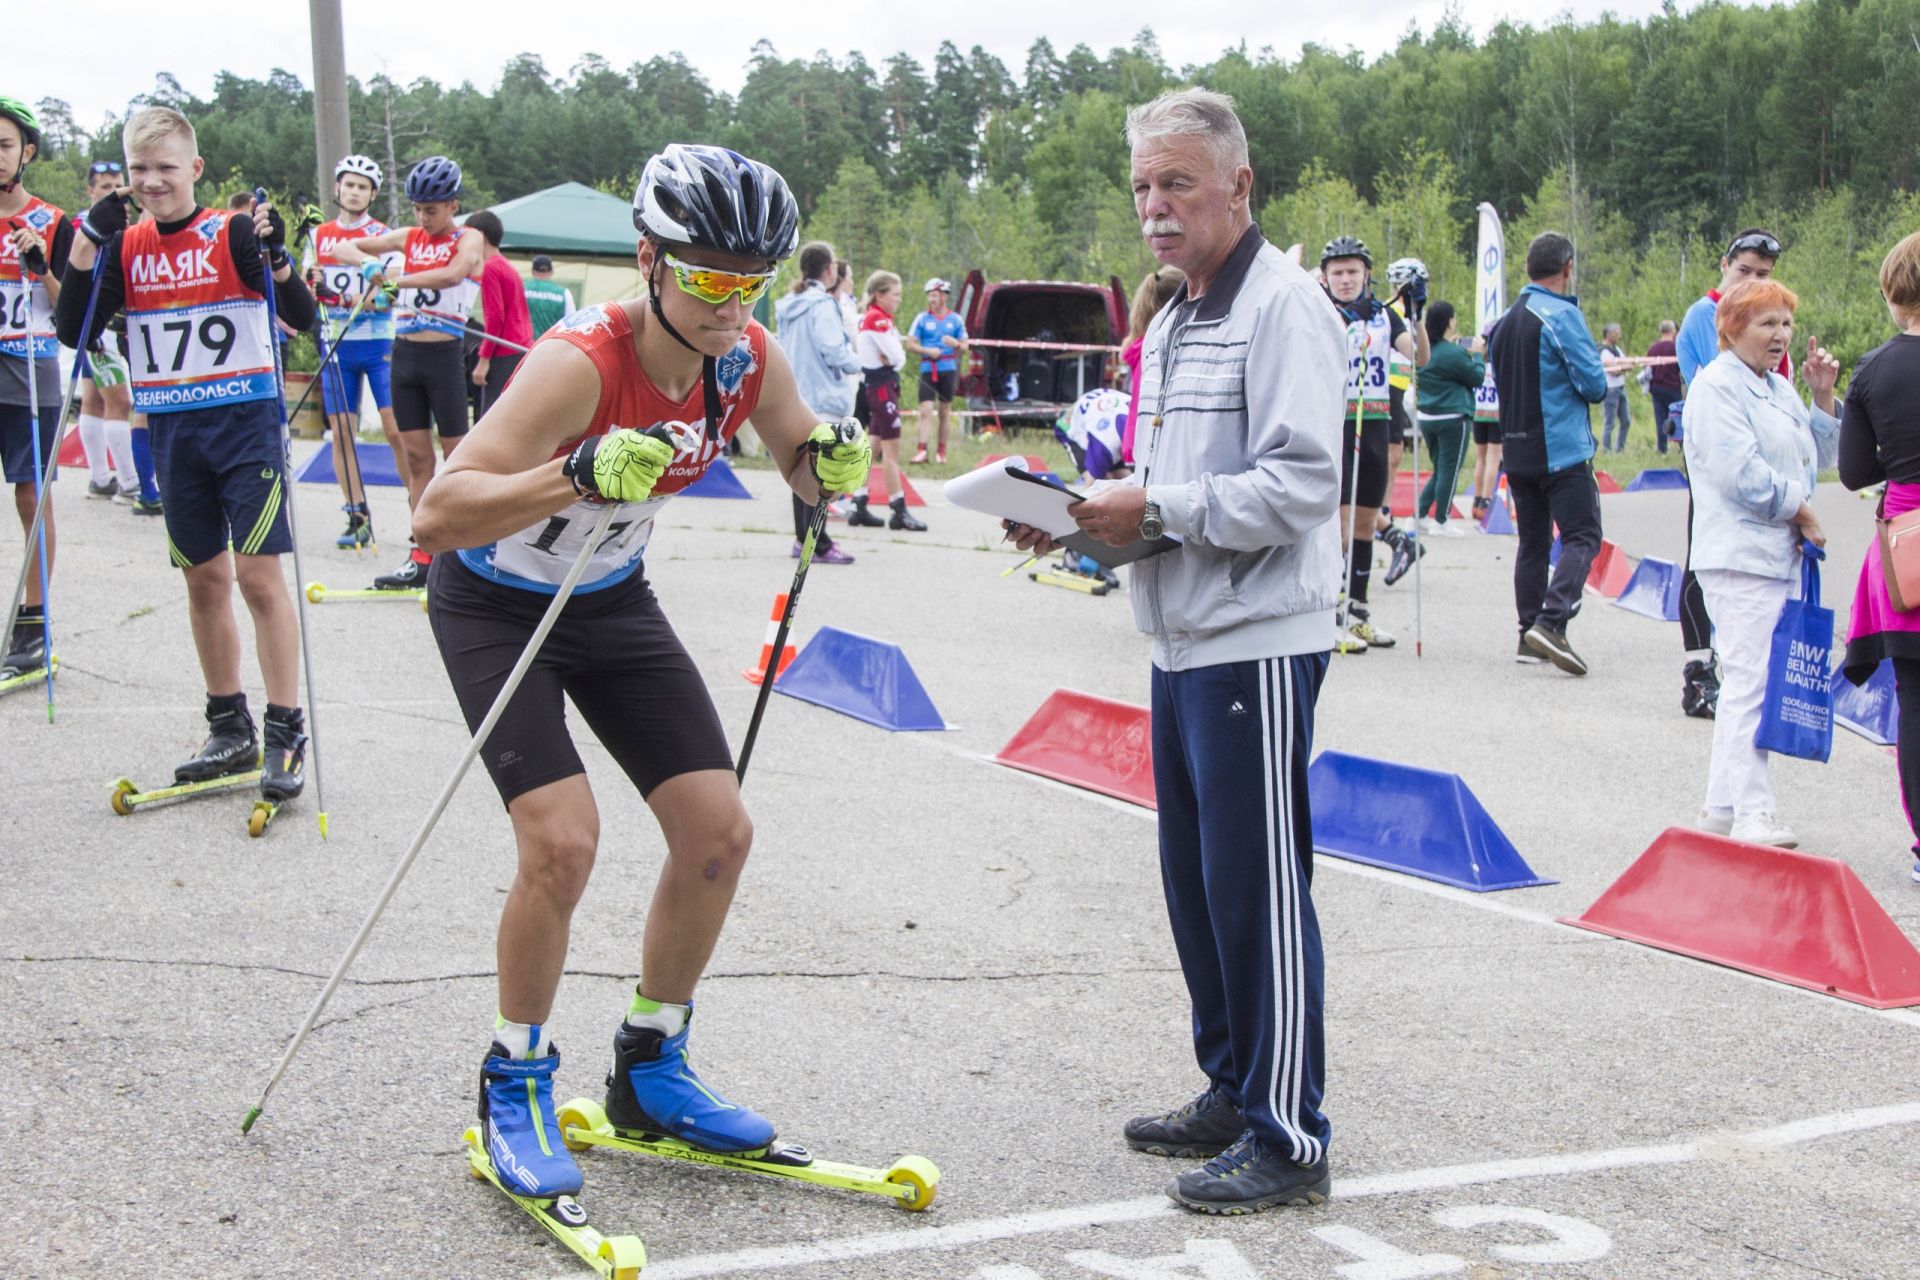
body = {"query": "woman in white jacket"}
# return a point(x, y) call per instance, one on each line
point(1753, 453)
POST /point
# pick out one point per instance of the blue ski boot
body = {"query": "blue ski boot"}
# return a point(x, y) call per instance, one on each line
point(519, 1127)
point(652, 1088)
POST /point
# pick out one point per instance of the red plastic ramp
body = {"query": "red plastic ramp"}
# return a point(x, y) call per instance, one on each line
point(1611, 571)
point(1406, 487)
point(877, 494)
point(1797, 918)
point(1604, 482)
point(72, 452)
point(1087, 741)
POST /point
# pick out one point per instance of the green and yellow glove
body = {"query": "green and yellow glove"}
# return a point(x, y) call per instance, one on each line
point(622, 465)
point(841, 455)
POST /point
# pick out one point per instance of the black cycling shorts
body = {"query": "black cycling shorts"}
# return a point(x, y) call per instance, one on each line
point(1486, 432)
point(1402, 420)
point(938, 386)
point(1373, 463)
point(612, 651)
point(429, 384)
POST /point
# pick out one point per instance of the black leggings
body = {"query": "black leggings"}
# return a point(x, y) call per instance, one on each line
point(1696, 628)
point(1373, 464)
point(429, 387)
point(1906, 684)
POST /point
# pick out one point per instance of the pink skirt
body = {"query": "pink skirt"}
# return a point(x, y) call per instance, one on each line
point(1876, 629)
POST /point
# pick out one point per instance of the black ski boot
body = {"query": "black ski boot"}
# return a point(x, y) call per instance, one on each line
point(283, 762)
point(1700, 690)
point(411, 576)
point(861, 517)
point(232, 746)
point(1406, 549)
point(27, 648)
point(358, 531)
point(901, 520)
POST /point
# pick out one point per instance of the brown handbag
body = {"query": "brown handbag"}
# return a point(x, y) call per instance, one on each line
point(1899, 555)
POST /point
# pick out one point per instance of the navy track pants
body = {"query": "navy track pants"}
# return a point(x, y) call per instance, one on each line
point(1230, 749)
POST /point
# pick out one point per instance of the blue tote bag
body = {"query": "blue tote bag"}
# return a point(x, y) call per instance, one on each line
point(1796, 715)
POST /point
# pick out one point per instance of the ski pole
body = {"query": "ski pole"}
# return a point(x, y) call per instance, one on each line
point(1419, 634)
point(1353, 494)
point(844, 432)
point(46, 477)
point(293, 528)
point(301, 403)
point(467, 757)
point(468, 327)
point(350, 439)
point(42, 494)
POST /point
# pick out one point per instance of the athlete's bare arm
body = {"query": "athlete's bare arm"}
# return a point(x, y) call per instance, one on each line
point(783, 420)
point(352, 253)
point(504, 476)
point(468, 256)
point(1413, 344)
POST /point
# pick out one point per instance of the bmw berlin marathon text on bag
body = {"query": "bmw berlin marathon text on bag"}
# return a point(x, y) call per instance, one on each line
point(1796, 716)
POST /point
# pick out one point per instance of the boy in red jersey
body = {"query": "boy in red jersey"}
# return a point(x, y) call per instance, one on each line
point(517, 504)
point(34, 239)
point(439, 284)
point(193, 281)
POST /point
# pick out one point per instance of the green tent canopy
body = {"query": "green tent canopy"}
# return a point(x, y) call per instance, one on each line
point(572, 219)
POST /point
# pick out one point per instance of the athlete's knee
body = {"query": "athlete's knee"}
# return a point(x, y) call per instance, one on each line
point(261, 583)
point(556, 860)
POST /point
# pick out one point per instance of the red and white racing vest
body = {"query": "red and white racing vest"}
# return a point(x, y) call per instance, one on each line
point(538, 557)
point(26, 313)
point(345, 283)
point(196, 335)
point(441, 310)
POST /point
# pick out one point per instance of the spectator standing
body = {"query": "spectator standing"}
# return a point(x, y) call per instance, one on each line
point(1751, 256)
point(1613, 408)
point(1447, 387)
point(1548, 370)
point(849, 303)
point(1880, 444)
point(548, 301)
point(882, 356)
point(1155, 291)
point(939, 336)
point(1754, 453)
point(503, 304)
point(810, 332)
point(1663, 383)
point(1242, 467)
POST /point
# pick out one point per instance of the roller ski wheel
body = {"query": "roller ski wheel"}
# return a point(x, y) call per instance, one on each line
point(29, 677)
point(321, 593)
point(1071, 581)
point(264, 812)
point(614, 1257)
point(910, 1182)
point(127, 797)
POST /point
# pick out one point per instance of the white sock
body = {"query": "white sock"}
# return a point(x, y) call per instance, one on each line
point(522, 1040)
point(120, 445)
point(668, 1019)
point(93, 438)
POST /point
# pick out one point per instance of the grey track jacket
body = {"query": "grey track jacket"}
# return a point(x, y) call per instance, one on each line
point(1241, 396)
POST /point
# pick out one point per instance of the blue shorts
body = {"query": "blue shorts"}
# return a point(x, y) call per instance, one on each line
point(222, 474)
point(16, 440)
point(360, 356)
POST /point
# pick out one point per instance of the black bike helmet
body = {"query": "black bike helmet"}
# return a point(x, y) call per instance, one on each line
point(1346, 247)
point(712, 198)
point(434, 179)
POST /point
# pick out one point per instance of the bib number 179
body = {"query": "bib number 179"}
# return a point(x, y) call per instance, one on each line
point(214, 334)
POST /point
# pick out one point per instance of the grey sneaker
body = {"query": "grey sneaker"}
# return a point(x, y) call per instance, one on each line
point(1204, 1127)
point(1526, 654)
point(1551, 644)
point(1250, 1177)
point(108, 490)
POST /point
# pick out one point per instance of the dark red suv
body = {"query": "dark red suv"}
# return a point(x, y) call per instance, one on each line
point(1026, 387)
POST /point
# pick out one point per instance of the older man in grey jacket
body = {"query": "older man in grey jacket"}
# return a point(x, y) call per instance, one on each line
point(1242, 386)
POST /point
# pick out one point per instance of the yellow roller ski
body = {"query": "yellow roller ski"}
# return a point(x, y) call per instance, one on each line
point(615, 1257)
point(320, 593)
point(127, 797)
point(910, 1182)
point(27, 679)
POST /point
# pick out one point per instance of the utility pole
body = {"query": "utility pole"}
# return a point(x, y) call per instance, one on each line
point(332, 134)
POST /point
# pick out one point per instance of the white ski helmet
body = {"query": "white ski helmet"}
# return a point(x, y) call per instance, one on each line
point(1402, 272)
point(362, 165)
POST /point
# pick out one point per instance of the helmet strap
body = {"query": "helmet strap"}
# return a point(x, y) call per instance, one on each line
point(709, 378)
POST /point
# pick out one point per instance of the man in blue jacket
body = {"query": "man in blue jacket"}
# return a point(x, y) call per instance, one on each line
point(810, 331)
point(1548, 370)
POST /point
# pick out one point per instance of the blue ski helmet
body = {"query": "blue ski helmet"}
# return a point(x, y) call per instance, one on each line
point(433, 179)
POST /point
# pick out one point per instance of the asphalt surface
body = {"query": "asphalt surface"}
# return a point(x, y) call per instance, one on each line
point(929, 954)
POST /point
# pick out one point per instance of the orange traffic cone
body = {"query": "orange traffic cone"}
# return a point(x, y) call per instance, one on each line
point(754, 675)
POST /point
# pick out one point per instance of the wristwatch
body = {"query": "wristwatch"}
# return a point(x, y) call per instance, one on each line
point(1152, 527)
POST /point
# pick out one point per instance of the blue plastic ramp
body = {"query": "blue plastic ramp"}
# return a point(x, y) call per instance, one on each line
point(1657, 478)
point(861, 677)
point(717, 481)
point(376, 466)
point(1420, 821)
point(1871, 709)
point(1498, 519)
point(1653, 591)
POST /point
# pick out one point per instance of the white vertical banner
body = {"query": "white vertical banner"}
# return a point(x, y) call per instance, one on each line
point(1490, 271)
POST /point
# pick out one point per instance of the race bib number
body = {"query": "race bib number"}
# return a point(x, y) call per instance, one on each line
point(25, 313)
point(191, 357)
point(1486, 400)
point(538, 558)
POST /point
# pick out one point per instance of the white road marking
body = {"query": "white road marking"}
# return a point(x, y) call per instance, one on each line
point(1478, 901)
point(1441, 1178)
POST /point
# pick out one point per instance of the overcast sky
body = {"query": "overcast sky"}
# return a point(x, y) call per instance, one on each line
point(472, 39)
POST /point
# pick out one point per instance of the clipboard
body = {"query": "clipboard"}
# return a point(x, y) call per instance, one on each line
point(1014, 493)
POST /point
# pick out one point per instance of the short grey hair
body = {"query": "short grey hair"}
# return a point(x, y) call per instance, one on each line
point(1192, 112)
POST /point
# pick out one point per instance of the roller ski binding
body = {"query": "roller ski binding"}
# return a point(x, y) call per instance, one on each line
point(283, 766)
point(359, 530)
point(27, 661)
point(1077, 573)
point(515, 1147)
point(229, 759)
point(656, 1105)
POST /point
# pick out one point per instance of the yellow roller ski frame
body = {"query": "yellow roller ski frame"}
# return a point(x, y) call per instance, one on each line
point(614, 1257)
